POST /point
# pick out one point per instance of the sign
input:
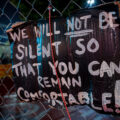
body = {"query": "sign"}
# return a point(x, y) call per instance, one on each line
point(87, 59)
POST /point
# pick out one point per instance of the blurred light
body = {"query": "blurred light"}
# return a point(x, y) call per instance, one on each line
point(91, 2)
point(88, 1)
point(53, 10)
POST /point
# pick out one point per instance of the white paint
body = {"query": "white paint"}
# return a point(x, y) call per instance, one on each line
point(65, 95)
point(64, 83)
point(90, 43)
point(56, 32)
point(44, 29)
point(47, 30)
point(70, 24)
point(105, 97)
point(112, 19)
point(26, 94)
point(30, 70)
point(23, 71)
point(93, 106)
point(72, 99)
point(103, 18)
point(16, 68)
point(40, 93)
point(53, 67)
point(19, 90)
point(76, 82)
point(77, 24)
point(54, 97)
point(81, 46)
point(114, 68)
point(54, 82)
point(62, 68)
point(23, 51)
point(107, 18)
point(15, 36)
point(79, 33)
point(34, 95)
point(37, 65)
point(46, 52)
point(37, 31)
point(24, 35)
point(103, 68)
point(20, 35)
point(30, 53)
point(106, 101)
point(20, 48)
point(56, 45)
point(67, 82)
point(117, 94)
point(83, 98)
point(46, 97)
point(46, 82)
point(90, 68)
point(85, 18)
point(39, 50)
point(39, 78)
point(76, 69)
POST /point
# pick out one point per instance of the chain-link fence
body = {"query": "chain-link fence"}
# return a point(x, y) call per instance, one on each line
point(11, 108)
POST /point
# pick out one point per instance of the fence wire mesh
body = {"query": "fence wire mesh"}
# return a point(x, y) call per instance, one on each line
point(12, 11)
